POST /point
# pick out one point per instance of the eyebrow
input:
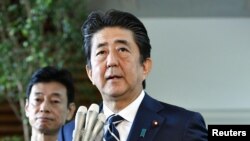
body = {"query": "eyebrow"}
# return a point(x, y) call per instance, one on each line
point(53, 94)
point(125, 42)
point(121, 41)
point(102, 45)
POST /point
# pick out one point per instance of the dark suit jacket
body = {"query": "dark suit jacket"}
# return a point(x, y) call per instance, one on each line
point(158, 121)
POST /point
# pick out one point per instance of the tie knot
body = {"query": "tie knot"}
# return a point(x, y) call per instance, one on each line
point(115, 119)
point(112, 133)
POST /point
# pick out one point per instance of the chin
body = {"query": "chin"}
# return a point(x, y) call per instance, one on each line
point(47, 131)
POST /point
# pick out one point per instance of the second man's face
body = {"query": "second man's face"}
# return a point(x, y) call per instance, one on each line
point(47, 107)
point(115, 59)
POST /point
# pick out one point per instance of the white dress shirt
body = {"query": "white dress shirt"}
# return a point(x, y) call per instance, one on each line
point(128, 113)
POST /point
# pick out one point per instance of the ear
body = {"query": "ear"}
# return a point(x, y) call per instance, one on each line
point(89, 73)
point(147, 65)
point(26, 108)
point(71, 111)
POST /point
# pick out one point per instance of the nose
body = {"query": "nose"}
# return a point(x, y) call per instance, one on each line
point(45, 106)
point(112, 59)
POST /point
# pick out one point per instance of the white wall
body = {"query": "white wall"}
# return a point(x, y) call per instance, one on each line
point(202, 64)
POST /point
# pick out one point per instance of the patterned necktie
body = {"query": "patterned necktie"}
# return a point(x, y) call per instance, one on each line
point(112, 134)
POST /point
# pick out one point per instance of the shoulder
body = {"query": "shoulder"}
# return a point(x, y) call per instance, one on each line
point(65, 133)
point(180, 113)
point(191, 124)
point(174, 115)
point(179, 120)
point(177, 110)
point(164, 108)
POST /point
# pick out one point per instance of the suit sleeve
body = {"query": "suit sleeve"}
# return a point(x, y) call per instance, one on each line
point(196, 129)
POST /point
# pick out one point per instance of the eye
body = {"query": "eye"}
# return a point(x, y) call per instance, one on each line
point(100, 52)
point(38, 99)
point(123, 49)
point(124, 52)
point(56, 101)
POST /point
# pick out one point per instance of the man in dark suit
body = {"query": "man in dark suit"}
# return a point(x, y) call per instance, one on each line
point(117, 50)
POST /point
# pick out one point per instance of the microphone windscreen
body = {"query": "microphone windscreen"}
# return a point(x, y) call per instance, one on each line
point(79, 122)
point(80, 117)
point(90, 121)
point(102, 117)
point(93, 108)
point(98, 126)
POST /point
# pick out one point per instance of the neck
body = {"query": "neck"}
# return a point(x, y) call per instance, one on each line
point(120, 103)
point(38, 136)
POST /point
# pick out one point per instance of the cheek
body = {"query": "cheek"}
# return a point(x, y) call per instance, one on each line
point(61, 113)
point(31, 115)
point(97, 71)
point(31, 111)
point(137, 70)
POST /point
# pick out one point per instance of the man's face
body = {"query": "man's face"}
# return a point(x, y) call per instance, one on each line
point(47, 108)
point(116, 69)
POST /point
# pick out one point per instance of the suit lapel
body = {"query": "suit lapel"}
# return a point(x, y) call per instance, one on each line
point(147, 122)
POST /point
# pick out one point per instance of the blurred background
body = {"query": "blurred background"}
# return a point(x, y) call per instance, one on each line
point(200, 51)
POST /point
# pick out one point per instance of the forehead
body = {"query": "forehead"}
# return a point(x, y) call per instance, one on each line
point(49, 89)
point(111, 34)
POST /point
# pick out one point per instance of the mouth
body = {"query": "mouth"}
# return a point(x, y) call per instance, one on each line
point(112, 77)
point(44, 119)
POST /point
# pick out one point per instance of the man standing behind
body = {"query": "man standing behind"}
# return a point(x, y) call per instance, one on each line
point(49, 102)
point(117, 50)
